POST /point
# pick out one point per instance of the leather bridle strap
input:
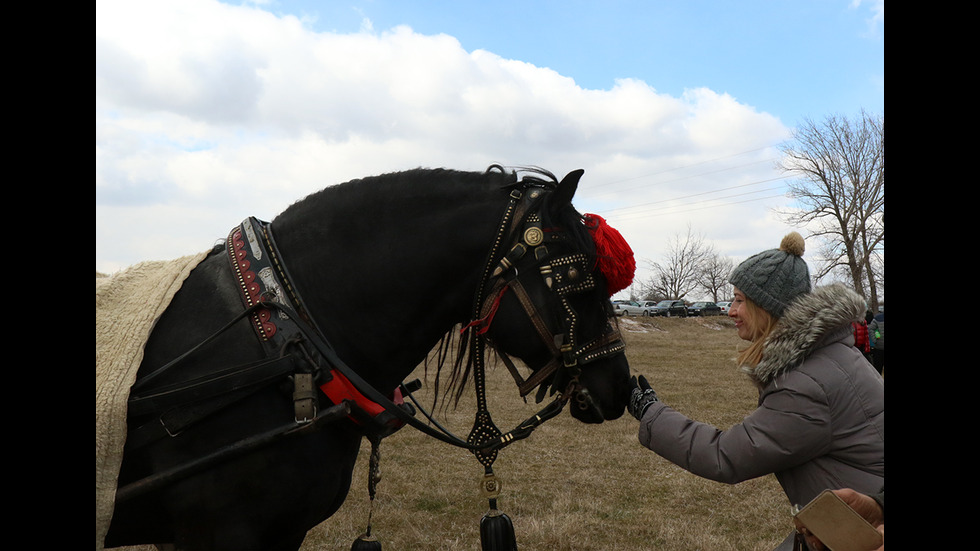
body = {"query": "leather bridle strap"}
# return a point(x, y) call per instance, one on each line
point(536, 378)
point(535, 318)
point(607, 344)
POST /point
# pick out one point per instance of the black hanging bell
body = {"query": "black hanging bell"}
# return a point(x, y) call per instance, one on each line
point(366, 542)
point(497, 531)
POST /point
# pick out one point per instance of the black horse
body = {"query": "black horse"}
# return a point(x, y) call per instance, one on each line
point(503, 249)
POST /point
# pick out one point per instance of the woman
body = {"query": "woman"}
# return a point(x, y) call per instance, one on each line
point(820, 421)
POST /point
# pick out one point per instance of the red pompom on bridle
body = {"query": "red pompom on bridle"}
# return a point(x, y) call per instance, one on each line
point(614, 257)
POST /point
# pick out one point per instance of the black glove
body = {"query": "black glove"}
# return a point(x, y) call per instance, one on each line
point(641, 397)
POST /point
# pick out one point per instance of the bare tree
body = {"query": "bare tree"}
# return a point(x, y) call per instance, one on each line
point(713, 277)
point(680, 273)
point(841, 164)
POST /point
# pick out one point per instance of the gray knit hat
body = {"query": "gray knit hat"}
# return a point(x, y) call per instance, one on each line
point(773, 278)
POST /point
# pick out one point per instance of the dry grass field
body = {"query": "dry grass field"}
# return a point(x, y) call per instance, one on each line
point(571, 486)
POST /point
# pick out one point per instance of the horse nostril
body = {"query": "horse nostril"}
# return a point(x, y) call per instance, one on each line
point(588, 406)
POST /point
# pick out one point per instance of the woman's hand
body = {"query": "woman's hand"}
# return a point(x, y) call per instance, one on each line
point(641, 397)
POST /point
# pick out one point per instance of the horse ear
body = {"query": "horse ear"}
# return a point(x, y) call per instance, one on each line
point(567, 186)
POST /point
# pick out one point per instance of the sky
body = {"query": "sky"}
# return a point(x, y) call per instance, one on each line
point(208, 112)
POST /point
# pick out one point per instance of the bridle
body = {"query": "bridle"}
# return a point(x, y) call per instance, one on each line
point(563, 276)
point(527, 242)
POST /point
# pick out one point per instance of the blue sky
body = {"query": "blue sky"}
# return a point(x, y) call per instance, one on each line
point(676, 110)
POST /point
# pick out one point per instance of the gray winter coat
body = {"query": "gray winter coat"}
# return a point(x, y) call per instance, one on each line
point(820, 423)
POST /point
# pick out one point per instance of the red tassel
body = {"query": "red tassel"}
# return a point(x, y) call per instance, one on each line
point(484, 324)
point(614, 256)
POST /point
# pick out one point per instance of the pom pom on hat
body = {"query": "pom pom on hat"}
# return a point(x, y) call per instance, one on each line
point(774, 278)
point(793, 244)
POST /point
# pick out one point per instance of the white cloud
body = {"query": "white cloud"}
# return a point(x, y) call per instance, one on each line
point(207, 113)
point(876, 17)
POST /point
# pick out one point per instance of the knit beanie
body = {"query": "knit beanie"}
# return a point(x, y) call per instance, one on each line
point(773, 278)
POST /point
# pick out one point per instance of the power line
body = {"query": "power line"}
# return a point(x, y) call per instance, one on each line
point(693, 206)
point(645, 209)
point(683, 197)
point(687, 166)
point(688, 177)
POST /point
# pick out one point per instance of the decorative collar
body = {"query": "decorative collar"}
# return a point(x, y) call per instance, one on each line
point(260, 276)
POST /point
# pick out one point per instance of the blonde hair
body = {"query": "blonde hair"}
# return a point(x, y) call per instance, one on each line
point(762, 323)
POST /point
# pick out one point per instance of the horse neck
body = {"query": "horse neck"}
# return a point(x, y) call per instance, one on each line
point(387, 270)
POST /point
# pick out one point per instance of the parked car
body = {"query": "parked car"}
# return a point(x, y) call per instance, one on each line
point(634, 308)
point(648, 306)
point(703, 308)
point(724, 307)
point(628, 308)
point(670, 308)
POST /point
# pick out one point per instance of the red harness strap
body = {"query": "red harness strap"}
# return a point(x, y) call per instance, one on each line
point(339, 388)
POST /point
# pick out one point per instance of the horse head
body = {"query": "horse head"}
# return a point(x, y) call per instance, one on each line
point(551, 281)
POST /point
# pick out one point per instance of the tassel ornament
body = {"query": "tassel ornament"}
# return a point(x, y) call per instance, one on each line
point(614, 256)
point(367, 542)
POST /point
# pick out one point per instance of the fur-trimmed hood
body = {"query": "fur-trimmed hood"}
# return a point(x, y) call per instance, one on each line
point(812, 320)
